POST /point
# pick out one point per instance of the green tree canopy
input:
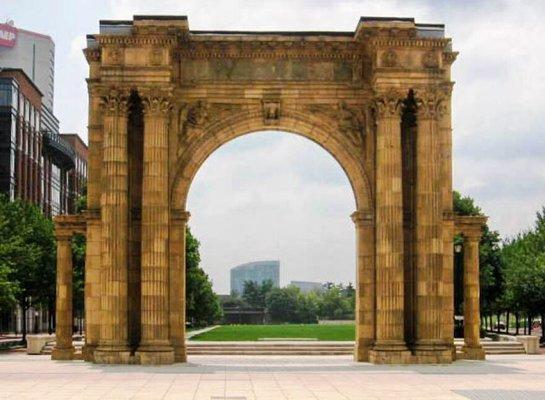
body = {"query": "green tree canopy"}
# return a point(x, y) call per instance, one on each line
point(202, 304)
point(27, 254)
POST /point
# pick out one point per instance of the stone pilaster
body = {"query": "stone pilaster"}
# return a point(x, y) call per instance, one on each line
point(472, 348)
point(429, 343)
point(365, 284)
point(113, 344)
point(390, 346)
point(155, 347)
point(64, 349)
point(93, 246)
point(178, 222)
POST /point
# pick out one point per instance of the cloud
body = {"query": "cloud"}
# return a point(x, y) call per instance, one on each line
point(256, 198)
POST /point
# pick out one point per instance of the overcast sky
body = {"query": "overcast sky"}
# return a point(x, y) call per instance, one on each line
point(273, 195)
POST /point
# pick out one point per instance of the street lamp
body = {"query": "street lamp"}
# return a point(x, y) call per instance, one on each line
point(458, 248)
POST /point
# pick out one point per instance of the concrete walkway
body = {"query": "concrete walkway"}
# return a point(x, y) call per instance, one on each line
point(196, 332)
point(273, 378)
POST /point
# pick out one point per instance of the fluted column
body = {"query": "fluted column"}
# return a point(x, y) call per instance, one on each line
point(178, 222)
point(155, 347)
point(445, 145)
point(93, 243)
point(113, 345)
point(390, 345)
point(472, 348)
point(365, 284)
point(429, 344)
point(64, 349)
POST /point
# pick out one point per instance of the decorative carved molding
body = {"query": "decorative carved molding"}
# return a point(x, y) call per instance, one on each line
point(92, 55)
point(430, 102)
point(271, 111)
point(449, 57)
point(177, 214)
point(389, 104)
point(156, 101)
point(267, 49)
point(114, 101)
point(195, 116)
point(352, 123)
point(144, 40)
point(389, 59)
point(113, 55)
point(156, 56)
point(430, 59)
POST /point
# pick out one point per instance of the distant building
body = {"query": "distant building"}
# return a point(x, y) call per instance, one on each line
point(257, 271)
point(32, 52)
point(77, 177)
point(307, 287)
point(35, 161)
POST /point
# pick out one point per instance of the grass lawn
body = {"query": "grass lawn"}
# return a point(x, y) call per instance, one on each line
point(256, 332)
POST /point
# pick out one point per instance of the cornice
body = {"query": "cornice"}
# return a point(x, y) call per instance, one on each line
point(409, 42)
point(136, 40)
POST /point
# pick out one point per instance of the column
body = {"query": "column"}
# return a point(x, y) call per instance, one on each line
point(390, 346)
point(155, 347)
point(472, 348)
point(445, 145)
point(94, 236)
point(365, 284)
point(113, 344)
point(178, 222)
point(63, 350)
point(429, 344)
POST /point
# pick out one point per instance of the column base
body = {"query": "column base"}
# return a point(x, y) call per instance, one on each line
point(362, 350)
point(473, 353)
point(111, 354)
point(390, 352)
point(180, 354)
point(66, 353)
point(87, 352)
point(155, 354)
point(432, 352)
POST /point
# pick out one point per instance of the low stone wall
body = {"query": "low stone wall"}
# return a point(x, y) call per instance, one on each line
point(35, 343)
point(530, 343)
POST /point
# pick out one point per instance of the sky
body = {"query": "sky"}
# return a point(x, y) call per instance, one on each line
point(280, 196)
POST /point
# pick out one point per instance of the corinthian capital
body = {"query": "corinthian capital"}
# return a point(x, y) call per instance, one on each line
point(156, 101)
point(114, 101)
point(389, 103)
point(430, 102)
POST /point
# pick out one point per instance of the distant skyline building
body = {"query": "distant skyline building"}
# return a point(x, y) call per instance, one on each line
point(257, 271)
point(306, 286)
point(32, 52)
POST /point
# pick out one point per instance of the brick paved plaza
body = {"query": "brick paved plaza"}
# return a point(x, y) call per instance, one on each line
point(243, 377)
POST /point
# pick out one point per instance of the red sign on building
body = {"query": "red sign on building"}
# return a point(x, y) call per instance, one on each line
point(8, 35)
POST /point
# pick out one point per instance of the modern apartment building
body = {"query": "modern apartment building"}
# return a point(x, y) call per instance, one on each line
point(257, 271)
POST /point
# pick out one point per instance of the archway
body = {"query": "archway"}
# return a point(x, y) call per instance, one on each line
point(162, 97)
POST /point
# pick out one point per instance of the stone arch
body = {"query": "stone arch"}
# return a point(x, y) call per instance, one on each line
point(322, 133)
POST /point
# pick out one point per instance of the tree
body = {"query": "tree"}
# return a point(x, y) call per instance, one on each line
point(282, 304)
point(255, 294)
point(524, 259)
point(27, 253)
point(202, 304)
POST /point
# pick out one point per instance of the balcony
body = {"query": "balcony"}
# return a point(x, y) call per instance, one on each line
point(61, 152)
